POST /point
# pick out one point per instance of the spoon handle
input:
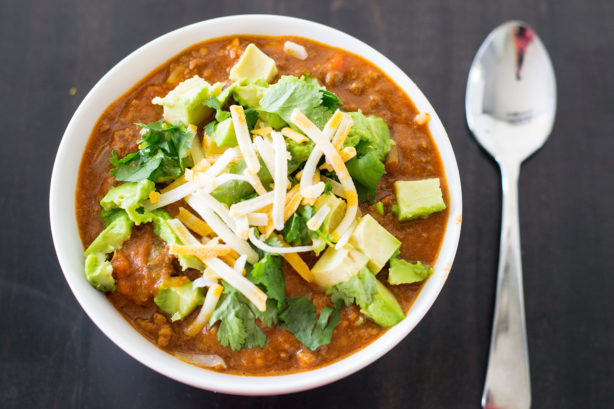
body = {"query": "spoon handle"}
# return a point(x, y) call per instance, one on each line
point(507, 383)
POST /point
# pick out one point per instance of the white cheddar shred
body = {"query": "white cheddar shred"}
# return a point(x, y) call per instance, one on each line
point(276, 250)
point(243, 138)
point(316, 221)
point(280, 178)
point(323, 142)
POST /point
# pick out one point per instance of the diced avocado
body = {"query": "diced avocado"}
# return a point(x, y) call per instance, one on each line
point(129, 196)
point(272, 119)
point(253, 65)
point(418, 198)
point(336, 266)
point(99, 271)
point(403, 272)
point(179, 298)
point(159, 217)
point(184, 104)
point(337, 211)
point(249, 93)
point(375, 242)
point(384, 308)
point(112, 237)
point(224, 134)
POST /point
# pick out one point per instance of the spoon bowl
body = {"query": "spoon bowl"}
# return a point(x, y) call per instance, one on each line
point(510, 105)
point(511, 92)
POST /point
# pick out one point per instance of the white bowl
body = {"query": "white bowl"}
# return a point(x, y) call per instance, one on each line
point(70, 250)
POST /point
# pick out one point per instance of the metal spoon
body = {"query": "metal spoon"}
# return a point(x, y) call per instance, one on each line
point(511, 105)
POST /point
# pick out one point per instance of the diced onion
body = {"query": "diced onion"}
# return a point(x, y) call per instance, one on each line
point(280, 179)
point(208, 361)
point(243, 138)
point(276, 250)
point(295, 50)
point(196, 150)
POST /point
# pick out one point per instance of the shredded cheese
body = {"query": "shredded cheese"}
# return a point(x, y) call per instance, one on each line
point(321, 141)
point(243, 138)
point(342, 132)
point(211, 300)
point(276, 250)
point(308, 189)
point(262, 131)
point(154, 197)
point(203, 282)
point(200, 251)
point(220, 228)
point(242, 227)
point(239, 265)
point(345, 237)
point(295, 136)
point(316, 221)
point(223, 270)
point(194, 223)
point(280, 178)
point(295, 50)
point(258, 219)
point(251, 205)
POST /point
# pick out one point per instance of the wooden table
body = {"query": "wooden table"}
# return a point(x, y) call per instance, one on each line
point(52, 355)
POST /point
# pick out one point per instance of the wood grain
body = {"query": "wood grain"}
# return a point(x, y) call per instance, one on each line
point(51, 354)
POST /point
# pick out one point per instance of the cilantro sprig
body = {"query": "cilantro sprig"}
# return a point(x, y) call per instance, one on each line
point(162, 155)
point(301, 320)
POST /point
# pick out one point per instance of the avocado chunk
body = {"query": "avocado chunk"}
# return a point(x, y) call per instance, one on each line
point(129, 196)
point(184, 104)
point(336, 266)
point(253, 65)
point(178, 297)
point(98, 270)
point(249, 93)
point(271, 119)
point(224, 134)
point(375, 242)
point(384, 308)
point(403, 272)
point(337, 211)
point(418, 198)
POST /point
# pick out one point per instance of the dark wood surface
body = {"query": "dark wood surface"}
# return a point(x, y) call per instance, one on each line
point(52, 355)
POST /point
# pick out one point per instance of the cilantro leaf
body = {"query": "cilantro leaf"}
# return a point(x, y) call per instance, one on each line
point(212, 102)
point(237, 328)
point(367, 171)
point(295, 231)
point(267, 274)
point(359, 289)
point(210, 127)
point(301, 320)
point(330, 100)
point(291, 92)
point(162, 155)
